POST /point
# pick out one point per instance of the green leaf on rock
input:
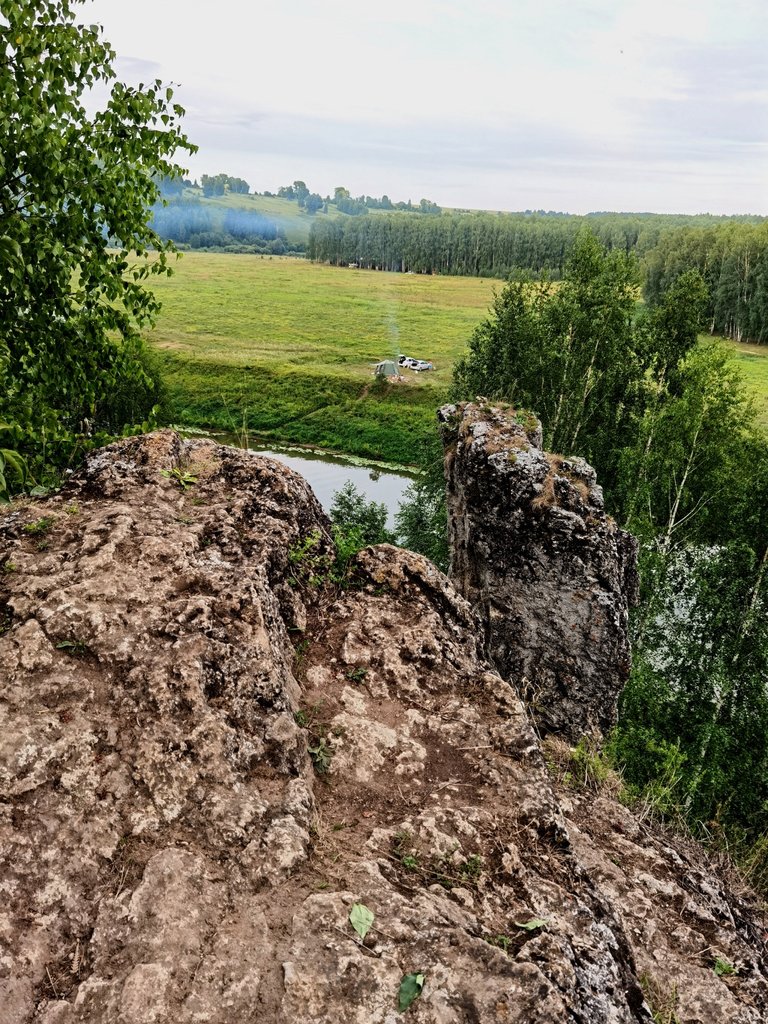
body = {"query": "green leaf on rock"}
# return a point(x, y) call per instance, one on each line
point(410, 989)
point(361, 919)
point(532, 925)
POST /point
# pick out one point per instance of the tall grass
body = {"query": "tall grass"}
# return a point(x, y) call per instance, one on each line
point(752, 360)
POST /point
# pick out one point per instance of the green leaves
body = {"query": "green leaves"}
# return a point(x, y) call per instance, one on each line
point(723, 968)
point(410, 989)
point(361, 919)
point(72, 185)
point(352, 512)
point(532, 925)
point(12, 467)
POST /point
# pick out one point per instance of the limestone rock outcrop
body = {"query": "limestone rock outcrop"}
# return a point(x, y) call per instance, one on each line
point(209, 752)
point(548, 572)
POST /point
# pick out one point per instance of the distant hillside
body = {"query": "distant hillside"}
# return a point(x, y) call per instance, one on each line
point(235, 221)
point(222, 213)
point(284, 213)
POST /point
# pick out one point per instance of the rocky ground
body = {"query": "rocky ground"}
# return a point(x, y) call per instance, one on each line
point(210, 751)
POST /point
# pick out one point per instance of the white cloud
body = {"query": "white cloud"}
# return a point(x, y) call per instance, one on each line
point(592, 103)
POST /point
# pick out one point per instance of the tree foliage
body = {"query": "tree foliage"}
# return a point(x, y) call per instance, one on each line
point(666, 421)
point(697, 694)
point(733, 260)
point(220, 184)
point(75, 188)
point(196, 224)
point(490, 244)
point(421, 519)
point(577, 355)
point(351, 511)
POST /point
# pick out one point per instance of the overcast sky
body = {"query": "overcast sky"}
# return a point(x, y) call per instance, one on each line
point(572, 105)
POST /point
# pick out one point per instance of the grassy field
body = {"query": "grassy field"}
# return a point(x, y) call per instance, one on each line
point(284, 212)
point(286, 347)
point(752, 360)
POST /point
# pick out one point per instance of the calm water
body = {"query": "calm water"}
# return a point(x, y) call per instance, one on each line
point(327, 474)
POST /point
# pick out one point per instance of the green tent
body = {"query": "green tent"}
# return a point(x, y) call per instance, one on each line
point(387, 368)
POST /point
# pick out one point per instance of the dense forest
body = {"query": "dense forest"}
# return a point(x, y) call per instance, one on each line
point(733, 260)
point(730, 253)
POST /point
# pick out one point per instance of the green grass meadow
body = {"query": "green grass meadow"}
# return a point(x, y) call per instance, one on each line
point(286, 349)
point(752, 360)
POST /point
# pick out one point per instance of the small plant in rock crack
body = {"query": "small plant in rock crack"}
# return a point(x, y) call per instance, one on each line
point(319, 747)
point(301, 648)
point(661, 998)
point(322, 755)
point(356, 675)
point(403, 850)
point(310, 565)
point(472, 867)
point(723, 968)
point(181, 477)
point(76, 647)
point(443, 869)
point(309, 718)
point(315, 567)
point(39, 527)
point(450, 873)
point(502, 941)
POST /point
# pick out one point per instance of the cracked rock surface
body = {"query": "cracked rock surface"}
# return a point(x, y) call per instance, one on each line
point(549, 573)
point(208, 754)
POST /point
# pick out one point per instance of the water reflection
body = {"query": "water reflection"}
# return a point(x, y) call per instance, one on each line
point(327, 474)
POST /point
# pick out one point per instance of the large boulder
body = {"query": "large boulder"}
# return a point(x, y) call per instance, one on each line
point(548, 572)
point(210, 752)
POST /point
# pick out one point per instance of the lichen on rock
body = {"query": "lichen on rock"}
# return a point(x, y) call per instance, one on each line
point(546, 569)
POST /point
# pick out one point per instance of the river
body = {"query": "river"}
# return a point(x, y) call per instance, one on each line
point(327, 474)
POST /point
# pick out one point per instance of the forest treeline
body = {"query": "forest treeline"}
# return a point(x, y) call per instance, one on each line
point(345, 202)
point(733, 260)
point(731, 254)
point(193, 224)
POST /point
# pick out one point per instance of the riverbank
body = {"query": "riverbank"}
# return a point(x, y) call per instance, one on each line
point(372, 420)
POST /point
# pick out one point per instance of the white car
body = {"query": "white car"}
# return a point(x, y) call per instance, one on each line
point(421, 364)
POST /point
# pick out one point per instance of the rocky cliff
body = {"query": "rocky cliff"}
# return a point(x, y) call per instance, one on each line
point(549, 574)
point(211, 751)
